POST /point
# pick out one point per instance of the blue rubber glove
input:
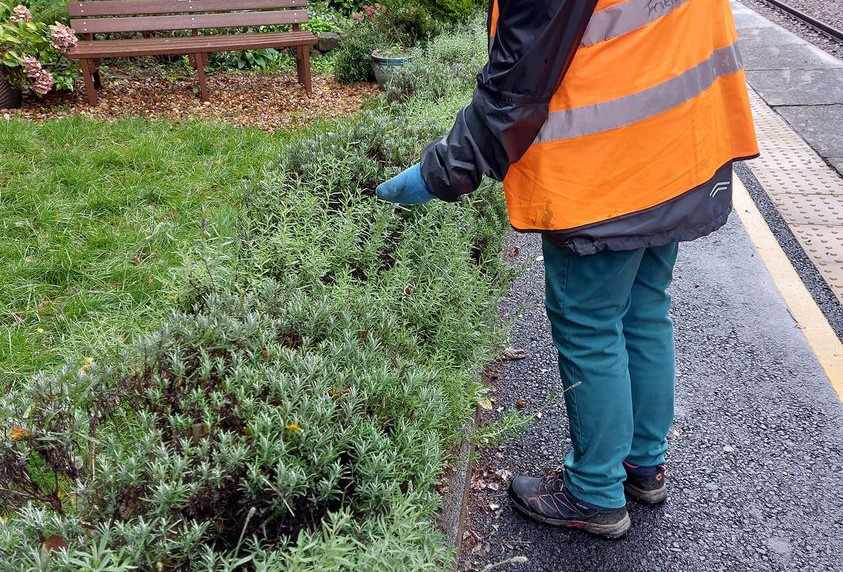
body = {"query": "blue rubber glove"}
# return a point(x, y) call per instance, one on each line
point(407, 188)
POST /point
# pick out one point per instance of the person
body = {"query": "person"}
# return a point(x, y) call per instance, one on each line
point(613, 125)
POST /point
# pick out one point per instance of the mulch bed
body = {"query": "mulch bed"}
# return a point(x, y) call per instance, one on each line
point(268, 101)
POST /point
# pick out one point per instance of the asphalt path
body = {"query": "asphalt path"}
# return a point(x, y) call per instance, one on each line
point(756, 460)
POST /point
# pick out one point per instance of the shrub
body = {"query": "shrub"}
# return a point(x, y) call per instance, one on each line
point(49, 11)
point(33, 54)
point(381, 27)
point(451, 10)
point(294, 415)
point(354, 59)
point(458, 61)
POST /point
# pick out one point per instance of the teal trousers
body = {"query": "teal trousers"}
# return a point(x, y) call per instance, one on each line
point(610, 325)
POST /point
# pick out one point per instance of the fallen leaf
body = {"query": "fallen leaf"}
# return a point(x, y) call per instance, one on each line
point(294, 428)
point(513, 354)
point(485, 404)
point(86, 366)
point(18, 433)
point(55, 542)
point(520, 403)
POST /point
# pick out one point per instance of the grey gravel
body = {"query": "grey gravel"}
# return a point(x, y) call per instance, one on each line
point(756, 465)
point(828, 11)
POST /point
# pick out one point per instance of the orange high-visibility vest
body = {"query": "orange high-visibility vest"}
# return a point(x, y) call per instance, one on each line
point(654, 103)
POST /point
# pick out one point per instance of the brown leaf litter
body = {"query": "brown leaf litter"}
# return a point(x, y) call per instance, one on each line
point(268, 101)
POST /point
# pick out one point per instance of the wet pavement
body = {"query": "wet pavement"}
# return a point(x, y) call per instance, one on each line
point(756, 460)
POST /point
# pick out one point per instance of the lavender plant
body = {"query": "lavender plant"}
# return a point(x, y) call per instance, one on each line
point(295, 414)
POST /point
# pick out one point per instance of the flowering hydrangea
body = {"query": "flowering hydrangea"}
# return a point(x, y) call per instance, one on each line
point(43, 83)
point(35, 54)
point(62, 37)
point(20, 13)
point(31, 67)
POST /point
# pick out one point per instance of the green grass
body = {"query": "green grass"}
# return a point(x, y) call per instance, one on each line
point(95, 221)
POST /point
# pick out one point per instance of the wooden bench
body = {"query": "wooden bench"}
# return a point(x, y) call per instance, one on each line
point(134, 16)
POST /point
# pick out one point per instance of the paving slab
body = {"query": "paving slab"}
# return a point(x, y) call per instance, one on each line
point(756, 460)
point(770, 34)
point(798, 87)
point(746, 18)
point(799, 80)
point(821, 126)
point(763, 56)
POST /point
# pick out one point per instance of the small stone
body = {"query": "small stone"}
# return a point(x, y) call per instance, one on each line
point(328, 41)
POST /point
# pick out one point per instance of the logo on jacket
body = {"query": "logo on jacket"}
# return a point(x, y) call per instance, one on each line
point(721, 186)
point(659, 6)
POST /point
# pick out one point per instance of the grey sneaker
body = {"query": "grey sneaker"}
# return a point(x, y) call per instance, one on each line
point(549, 501)
point(646, 484)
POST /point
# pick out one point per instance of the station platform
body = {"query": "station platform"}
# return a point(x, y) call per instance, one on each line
point(797, 101)
point(756, 461)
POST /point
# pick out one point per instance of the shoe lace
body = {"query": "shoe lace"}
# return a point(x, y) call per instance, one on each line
point(552, 478)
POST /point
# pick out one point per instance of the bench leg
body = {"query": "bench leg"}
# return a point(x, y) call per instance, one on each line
point(95, 71)
point(201, 62)
point(303, 68)
point(90, 90)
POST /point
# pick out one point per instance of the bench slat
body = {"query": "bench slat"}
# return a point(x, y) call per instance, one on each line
point(189, 45)
point(138, 7)
point(187, 22)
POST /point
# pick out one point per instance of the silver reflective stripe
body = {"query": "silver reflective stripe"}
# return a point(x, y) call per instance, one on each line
point(582, 121)
point(625, 17)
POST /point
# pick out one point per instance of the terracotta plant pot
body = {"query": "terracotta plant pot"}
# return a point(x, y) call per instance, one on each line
point(388, 66)
point(10, 96)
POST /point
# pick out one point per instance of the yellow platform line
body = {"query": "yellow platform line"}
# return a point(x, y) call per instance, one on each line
point(821, 338)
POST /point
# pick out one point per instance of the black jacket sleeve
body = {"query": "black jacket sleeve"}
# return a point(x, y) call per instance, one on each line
point(532, 49)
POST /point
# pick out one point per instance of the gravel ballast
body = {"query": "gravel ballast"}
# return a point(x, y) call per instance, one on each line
point(828, 11)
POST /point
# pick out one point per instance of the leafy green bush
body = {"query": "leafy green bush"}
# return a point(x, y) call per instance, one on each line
point(414, 22)
point(48, 11)
point(354, 59)
point(458, 61)
point(401, 25)
point(450, 10)
point(295, 414)
point(322, 18)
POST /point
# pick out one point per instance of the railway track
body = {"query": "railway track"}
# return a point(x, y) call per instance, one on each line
point(801, 15)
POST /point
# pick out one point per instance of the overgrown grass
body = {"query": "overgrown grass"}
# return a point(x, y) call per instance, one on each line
point(297, 415)
point(94, 221)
